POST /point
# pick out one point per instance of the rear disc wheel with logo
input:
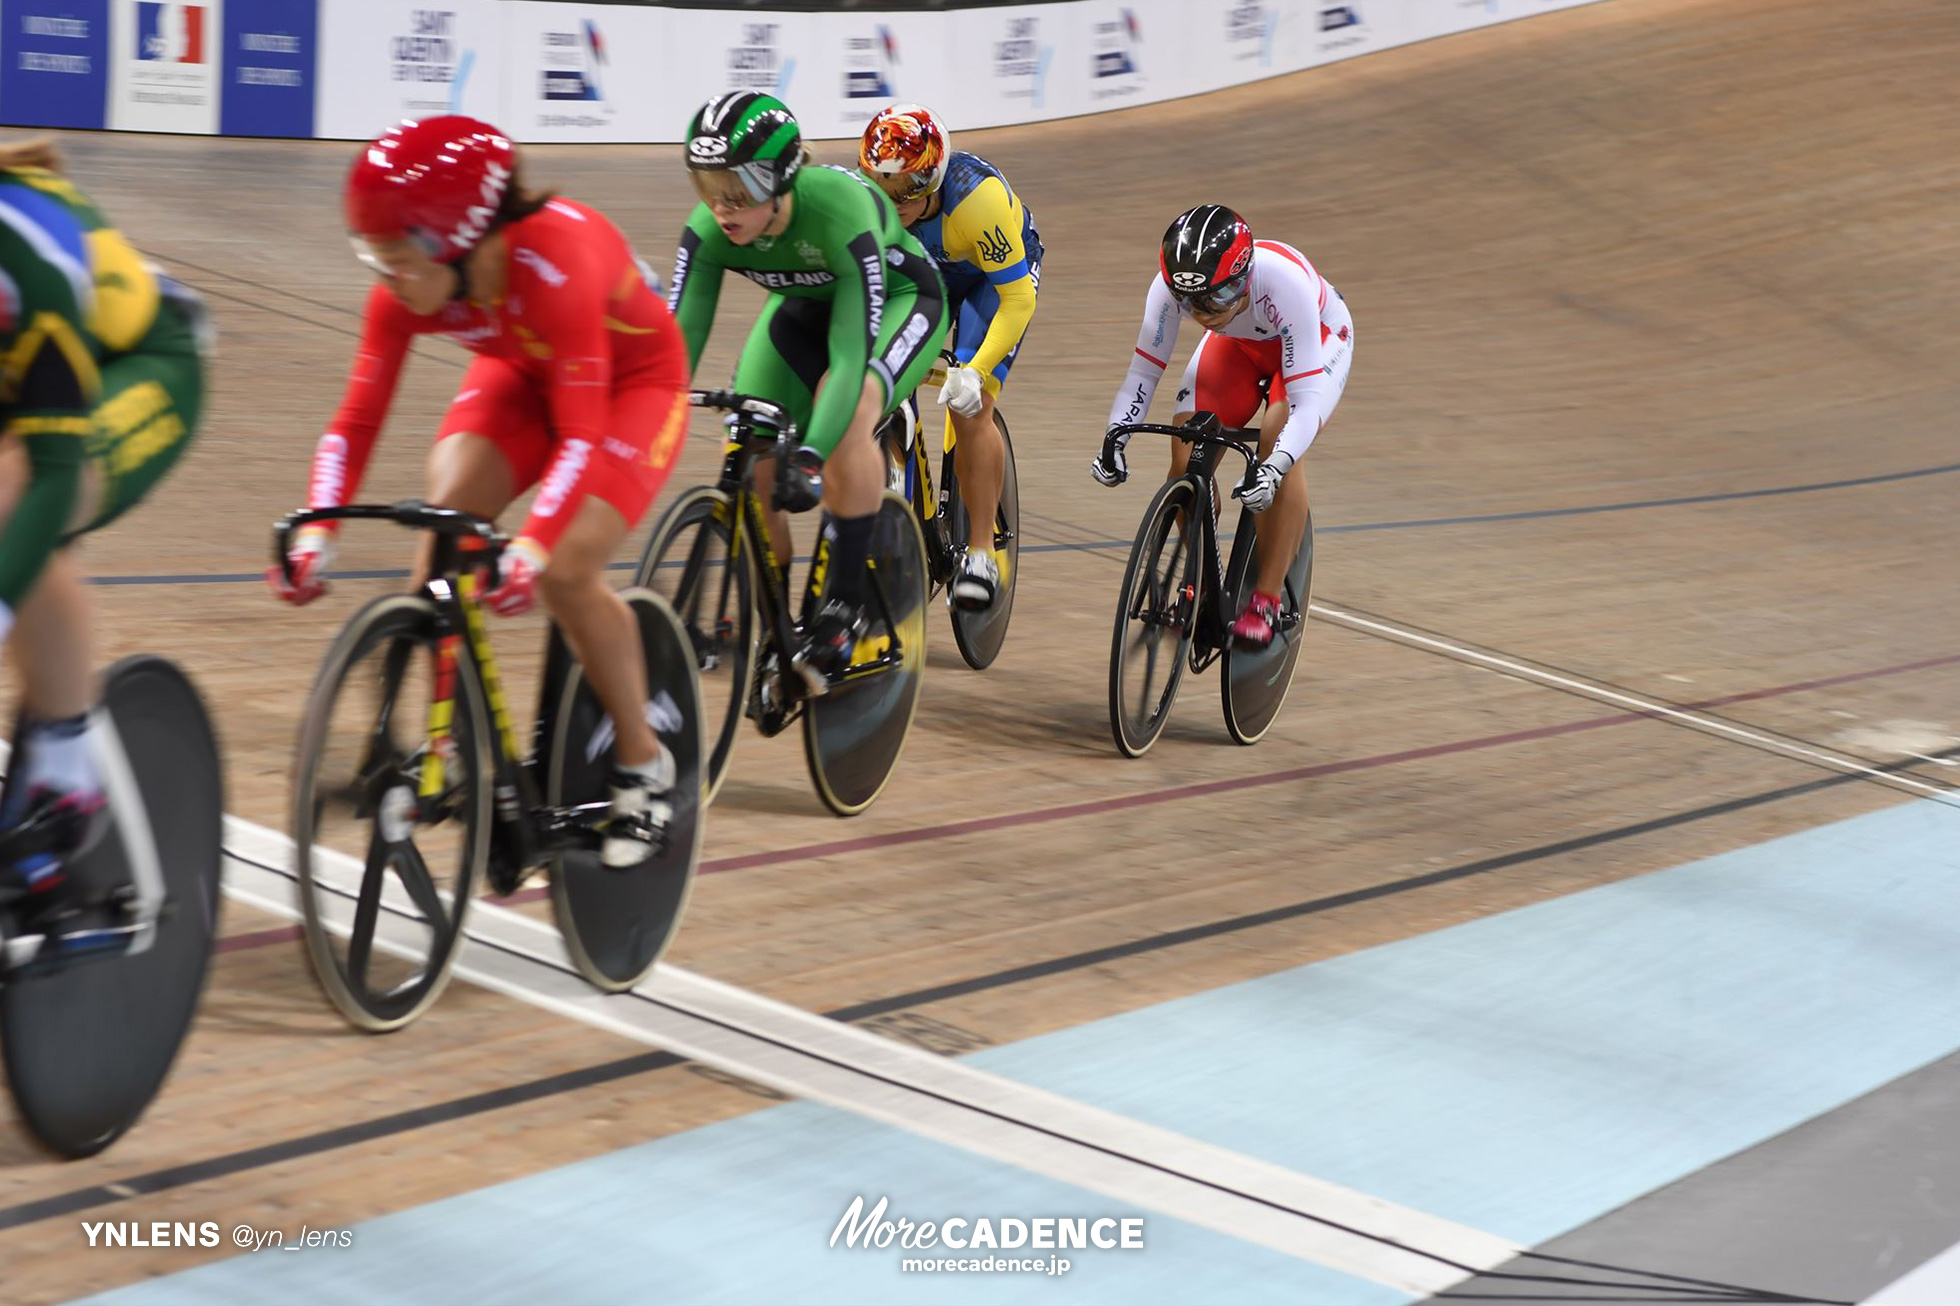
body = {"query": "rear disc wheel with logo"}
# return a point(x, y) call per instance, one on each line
point(618, 921)
point(853, 734)
point(1253, 688)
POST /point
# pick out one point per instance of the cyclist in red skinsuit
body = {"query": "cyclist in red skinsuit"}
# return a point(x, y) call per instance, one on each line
point(580, 378)
point(580, 382)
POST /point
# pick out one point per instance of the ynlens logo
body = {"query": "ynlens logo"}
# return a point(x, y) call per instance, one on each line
point(573, 62)
point(871, 62)
point(1334, 17)
point(169, 33)
point(1116, 45)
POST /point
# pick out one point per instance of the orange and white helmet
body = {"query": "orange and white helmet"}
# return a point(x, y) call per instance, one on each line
point(905, 151)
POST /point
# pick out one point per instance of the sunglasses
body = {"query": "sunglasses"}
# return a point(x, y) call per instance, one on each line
point(1220, 297)
point(741, 187)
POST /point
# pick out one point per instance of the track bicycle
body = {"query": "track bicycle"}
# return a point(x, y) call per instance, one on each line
point(943, 519)
point(710, 557)
point(409, 785)
point(1178, 603)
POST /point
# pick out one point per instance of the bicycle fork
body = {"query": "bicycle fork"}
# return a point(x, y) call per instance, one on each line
point(507, 783)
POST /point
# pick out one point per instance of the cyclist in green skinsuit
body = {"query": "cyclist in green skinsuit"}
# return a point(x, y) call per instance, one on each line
point(853, 323)
point(101, 385)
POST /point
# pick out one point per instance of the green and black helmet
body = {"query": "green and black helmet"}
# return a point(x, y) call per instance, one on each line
point(744, 147)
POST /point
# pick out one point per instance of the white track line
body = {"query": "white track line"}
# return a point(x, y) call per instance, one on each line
point(1648, 707)
point(853, 1070)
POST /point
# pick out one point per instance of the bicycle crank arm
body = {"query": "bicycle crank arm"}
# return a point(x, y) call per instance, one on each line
point(890, 658)
point(30, 954)
point(563, 829)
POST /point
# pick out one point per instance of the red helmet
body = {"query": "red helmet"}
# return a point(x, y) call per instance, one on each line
point(438, 181)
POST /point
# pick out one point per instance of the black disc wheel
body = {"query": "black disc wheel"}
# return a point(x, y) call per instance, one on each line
point(1256, 680)
point(617, 921)
point(853, 734)
point(980, 635)
point(88, 1042)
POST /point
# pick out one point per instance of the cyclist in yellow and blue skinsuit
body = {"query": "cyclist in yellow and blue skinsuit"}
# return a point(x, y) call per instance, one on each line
point(989, 255)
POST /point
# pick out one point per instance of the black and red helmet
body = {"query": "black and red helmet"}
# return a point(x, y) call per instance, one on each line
point(1207, 257)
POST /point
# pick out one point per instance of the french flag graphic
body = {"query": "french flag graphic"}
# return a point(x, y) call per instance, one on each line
point(169, 33)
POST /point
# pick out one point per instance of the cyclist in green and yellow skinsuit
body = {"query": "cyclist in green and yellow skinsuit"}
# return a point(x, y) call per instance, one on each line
point(101, 386)
point(851, 328)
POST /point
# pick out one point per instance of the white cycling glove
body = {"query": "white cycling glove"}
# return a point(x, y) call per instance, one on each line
point(962, 390)
point(1259, 494)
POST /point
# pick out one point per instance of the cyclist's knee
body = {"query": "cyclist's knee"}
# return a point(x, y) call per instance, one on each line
point(870, 410)
point(469, 473)
point(564, 584)
point(14, 471)
point(578, 560)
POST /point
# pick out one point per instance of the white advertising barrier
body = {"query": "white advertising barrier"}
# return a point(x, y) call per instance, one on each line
point(163, 66)
point(548, 70)
point(381, 61)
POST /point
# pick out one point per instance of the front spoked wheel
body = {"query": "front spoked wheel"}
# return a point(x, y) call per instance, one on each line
point(691, 561)
point(1155, 619)
point(617, 922)
point(980, 634)
point(853, 734)
point(1255, 682)
point(391, 812)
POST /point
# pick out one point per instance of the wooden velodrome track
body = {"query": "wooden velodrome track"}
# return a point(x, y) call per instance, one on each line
point(1656, 375)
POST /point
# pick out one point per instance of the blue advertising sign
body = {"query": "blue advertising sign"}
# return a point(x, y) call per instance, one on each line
point(57, 63)
point(269, 68)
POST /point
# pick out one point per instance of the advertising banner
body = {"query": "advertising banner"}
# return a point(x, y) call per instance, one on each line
point(54, 63)
point(385, 60)
point(163, 66)
point(1006, 64)
point(268, 63)
point(1246, 37)
point(581, 72)
point(867, 61)
point(1352, 27)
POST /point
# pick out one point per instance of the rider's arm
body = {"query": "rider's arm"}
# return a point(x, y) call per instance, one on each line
point(985, 230)
point(1153, 353)
point(853, 251)
point(55, 385)
point(696, 287)
point(1299, 293)
point(340, 459)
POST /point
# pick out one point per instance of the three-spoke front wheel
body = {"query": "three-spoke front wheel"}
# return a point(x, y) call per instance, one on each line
point(391, 812)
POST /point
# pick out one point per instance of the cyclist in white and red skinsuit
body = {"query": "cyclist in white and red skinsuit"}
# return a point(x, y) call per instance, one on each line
point(1275, 333)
